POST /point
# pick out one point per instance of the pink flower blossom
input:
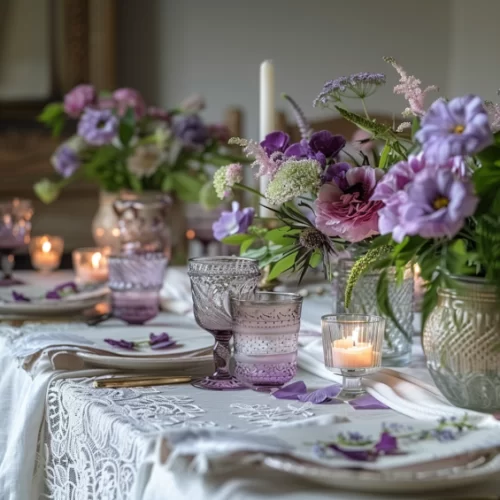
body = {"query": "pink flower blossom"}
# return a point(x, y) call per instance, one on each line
point(193, 104)
point(129, 98)
point(349, 213)
point(360, 140)
point(268, 165)
point(77, 99)
point(409, 86)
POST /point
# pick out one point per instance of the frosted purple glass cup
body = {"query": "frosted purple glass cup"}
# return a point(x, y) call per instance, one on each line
point(266, 331)
point(135, 281)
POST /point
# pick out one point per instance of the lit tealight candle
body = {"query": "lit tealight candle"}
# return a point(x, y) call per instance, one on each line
point(91, 265)
point(349, 353)
point(46, 252)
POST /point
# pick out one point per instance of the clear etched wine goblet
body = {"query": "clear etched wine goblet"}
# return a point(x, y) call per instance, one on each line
point(213, 281)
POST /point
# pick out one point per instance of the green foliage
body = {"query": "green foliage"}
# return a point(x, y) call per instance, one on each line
point(54, 117)
point(378, 130)
point(282, 265)
point(127, 127)
point(186, 185)
point(488, 246)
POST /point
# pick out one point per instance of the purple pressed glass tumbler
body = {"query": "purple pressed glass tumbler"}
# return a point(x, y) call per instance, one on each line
point(135, 281)
point(266, 330)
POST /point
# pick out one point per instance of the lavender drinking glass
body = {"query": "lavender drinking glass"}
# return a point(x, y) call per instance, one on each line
point(135, 281)
point(15, 232)
point(266, 332)
point(213, 281)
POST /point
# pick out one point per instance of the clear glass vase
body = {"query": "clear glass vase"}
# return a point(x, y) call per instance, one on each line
point(396, 350)
point(461, 341)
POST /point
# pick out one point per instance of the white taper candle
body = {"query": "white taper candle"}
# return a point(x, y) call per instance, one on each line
point(267, 117)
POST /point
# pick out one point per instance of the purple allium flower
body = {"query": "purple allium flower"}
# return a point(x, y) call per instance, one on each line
point(126, 98)
point(98, 127)
point(349, 213)
point(234, 222)
point(275, 142)
point(20, 297)
point(191, 131)
point(459, 127)
point(336, 173)
point(123, 344)
point(77, 99)
point(66, 161)
point(435, 204)
point(358, 85)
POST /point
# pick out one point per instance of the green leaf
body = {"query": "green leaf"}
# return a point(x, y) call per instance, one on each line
point(384, 157)
point(281, 235)
point(236, 239)
point(365, 124)
point(281, 266)
point(51, 112)
point(256, 253)
point(247, 244)
point(186, 186)
point(315, 259)
point(135, 183)
point(168, 184)
point(415, 126)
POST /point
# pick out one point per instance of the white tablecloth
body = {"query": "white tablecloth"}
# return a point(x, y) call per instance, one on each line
point(96, 439)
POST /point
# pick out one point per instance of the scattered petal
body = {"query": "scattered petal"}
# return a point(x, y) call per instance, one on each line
point(358, 455)
point(291, 391)
point(367, 402)
point(19, 297)
point(123, 344)
point(163, 345)
point(62, 290)
point(156, 339)
point(387, 444)
point(321, 395)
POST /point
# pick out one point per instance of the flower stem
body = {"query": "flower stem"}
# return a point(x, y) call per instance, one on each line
point(364, 108)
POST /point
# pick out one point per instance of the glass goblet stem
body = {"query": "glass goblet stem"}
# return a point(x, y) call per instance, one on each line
point(222, 354)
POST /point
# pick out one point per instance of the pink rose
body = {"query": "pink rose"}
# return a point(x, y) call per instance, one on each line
point(77, 99)
point(129, 98)
point(349, 213)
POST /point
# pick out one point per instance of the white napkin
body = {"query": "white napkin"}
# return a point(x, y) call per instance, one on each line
point(175, 295)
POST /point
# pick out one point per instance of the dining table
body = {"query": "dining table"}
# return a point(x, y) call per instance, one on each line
point(90, 442)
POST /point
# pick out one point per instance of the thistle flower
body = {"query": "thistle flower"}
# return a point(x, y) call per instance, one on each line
point(305, 128)
point(358, 85)
point(268, 165)
point(409, 86)
point(225, 178)
point(294, 178)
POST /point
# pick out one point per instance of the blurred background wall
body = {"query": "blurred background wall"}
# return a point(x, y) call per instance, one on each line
point(171, 48)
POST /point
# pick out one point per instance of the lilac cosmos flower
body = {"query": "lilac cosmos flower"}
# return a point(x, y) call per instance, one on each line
point(459, 127)
point(66, 161)
point(234, 222)
point(98, 127)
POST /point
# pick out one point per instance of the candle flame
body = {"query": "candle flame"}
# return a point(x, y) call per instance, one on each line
point(96, 259)
point(355, 335)
point(46, 246)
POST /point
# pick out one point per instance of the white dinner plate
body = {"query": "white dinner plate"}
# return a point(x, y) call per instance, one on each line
point(460, 471)
point(48, 307)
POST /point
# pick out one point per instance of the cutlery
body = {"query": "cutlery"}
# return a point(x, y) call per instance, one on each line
point(139, 381)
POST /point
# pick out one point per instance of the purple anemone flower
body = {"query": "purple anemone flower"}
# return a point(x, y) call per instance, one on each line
point(191, 131)
point(275, 142)
point(234, 222)
point(66, 161)
point(459, 127)
point(123, 344)
point(98, 126)
point(321, 146)
point(337, 173)
point(435, 204)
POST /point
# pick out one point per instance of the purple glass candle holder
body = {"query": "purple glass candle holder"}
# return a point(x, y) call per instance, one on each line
point(135, 281)
point(213, 281)
point(266, 331)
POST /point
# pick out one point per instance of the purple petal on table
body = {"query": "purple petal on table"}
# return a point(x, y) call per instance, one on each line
point(164, 345)
point(123, 344)
point(388, 445)
point(63, 289)
point(20, 297)
point(291, 391)
point(358, 455)
point(156, 339)
point(52, 294)
point(367, 402)
point(321, 395)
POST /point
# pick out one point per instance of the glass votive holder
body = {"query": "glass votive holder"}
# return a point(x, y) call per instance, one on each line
point(46, 252)
point(135, 281)
point(352, 344)
point(266, 330)
point(91, 265)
